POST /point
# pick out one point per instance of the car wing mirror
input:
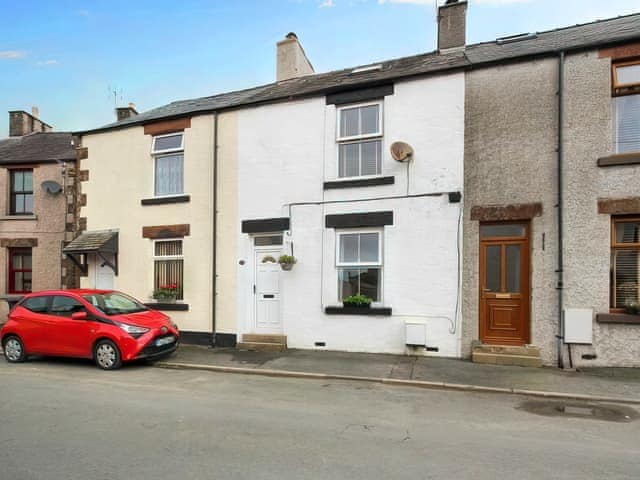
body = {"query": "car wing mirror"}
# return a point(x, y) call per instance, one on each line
point(79, 316)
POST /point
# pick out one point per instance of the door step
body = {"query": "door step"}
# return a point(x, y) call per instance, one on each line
point(522, 356)
point(263, 343)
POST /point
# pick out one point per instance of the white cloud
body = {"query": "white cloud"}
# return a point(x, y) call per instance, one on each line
point(45, 63)
point(327, 4)
point(12, 54)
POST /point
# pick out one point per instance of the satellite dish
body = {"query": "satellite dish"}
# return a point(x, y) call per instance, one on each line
point(51, 187)
point(401, 151)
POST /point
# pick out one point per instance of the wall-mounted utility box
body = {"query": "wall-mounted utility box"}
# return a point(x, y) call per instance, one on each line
point(578, 325)
point(416, 333)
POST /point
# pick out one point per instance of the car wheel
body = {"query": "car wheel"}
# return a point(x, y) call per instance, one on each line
point(107, 355)
point(14, 349)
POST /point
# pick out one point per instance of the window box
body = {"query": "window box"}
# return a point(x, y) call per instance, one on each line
point(618, 318)
point(371, 311)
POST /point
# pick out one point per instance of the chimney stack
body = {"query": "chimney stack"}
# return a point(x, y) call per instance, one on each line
point(126, 112)
point(452, 25)
point(292, 62)
point(23, 123)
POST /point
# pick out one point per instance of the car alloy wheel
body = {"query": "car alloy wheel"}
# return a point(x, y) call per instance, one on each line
point(13, 350)
point(107, 355)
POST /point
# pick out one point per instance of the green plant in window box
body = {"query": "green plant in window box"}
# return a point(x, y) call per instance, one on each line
point(166, 293)
point(287, 262)
point(357, 301)
point(632, 308)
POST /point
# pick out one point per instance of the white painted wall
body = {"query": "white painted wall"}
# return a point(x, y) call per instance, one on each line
point(286, 151)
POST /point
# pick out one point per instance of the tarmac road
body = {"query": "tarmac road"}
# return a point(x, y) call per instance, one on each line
point(68, 420)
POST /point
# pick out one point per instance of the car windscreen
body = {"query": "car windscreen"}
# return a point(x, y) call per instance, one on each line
point(114, 303)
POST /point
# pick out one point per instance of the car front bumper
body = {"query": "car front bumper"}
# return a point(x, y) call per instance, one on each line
point(157, 348)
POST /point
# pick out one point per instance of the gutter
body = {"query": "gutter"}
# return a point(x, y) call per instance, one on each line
point(560, 159)
point(214, 229)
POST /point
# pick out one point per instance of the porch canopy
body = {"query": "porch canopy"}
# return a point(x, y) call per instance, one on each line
point(104, 243)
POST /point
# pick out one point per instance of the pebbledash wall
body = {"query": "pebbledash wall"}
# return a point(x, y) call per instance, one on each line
point(587, 244)
point(286, 151)
point(510, 159)
point(120, 175)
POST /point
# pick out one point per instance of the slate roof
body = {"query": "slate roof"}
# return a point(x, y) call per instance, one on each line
point(37, 148)
point(99, 240)
point(601, 32)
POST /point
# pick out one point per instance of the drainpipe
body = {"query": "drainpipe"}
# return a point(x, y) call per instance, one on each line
point(215, 229)
point(560, 269)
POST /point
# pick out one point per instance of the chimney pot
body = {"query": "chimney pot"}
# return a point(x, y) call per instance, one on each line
point(452, 25)
point(292, 62)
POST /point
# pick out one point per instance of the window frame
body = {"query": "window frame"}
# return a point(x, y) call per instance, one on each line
point(351, 106)
point(358, 139)
point(614, 248)
point(12, 271)
point(167, 258)
point(156, 154)
point(13, 192)
point(361, 265)
point(621, 89)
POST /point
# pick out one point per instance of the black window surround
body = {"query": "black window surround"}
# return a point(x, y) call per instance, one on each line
point(359, 220)
point(166, 200)
point(359, 95)
point(364, 182)
point(266, 225)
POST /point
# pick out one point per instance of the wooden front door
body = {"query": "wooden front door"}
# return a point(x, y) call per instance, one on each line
point(504, 284)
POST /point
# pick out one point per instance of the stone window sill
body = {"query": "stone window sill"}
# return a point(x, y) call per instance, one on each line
point(619, 318)
point(372, 311)
point(620, 159)
point(19, 217)
point(168, 307)
point(166, 200)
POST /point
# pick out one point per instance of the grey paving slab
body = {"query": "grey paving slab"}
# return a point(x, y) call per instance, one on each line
point(611, 382)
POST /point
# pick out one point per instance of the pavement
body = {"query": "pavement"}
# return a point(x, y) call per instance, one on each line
point(68, 420)
point(596, 384)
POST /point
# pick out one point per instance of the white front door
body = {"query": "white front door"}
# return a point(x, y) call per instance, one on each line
point(267, 292)
point(104, 275)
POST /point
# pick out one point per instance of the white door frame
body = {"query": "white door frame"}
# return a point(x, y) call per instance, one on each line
point(275, 251)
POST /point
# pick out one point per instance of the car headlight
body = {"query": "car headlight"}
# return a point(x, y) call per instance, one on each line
point(132, 330)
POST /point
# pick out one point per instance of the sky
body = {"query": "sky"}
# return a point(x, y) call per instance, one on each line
point(67, 57)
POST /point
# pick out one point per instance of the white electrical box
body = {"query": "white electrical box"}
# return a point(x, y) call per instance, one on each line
point(578, 325)
point(416, 333)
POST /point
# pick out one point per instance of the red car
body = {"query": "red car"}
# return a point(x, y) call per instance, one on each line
point(106, 326)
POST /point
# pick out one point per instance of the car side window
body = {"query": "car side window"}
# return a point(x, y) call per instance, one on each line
point(65, 306)
point(36, 304)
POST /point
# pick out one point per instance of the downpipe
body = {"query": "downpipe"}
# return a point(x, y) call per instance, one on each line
point(560, 199)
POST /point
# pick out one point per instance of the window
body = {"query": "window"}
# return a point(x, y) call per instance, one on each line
point(169, 164)
point(36, 304)
point(21, 202)
point(626, 106)
point(168, 265)
point(65, 306)
point(360, 140)
point(19, 270)
point(115, 303)
point(268, 240)
point(625, 261)
point(359, 262)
